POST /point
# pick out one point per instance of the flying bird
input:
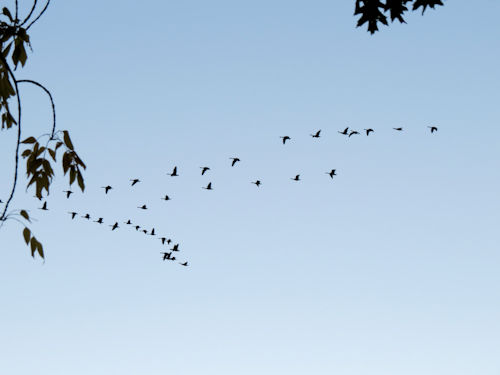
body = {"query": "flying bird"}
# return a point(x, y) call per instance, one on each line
point(144, 231)
point(175, 248)
point(235, 160)
point(185, 264)
point(332, 173)
point(137, 227)
point(153, 232)
point(163, 239)
point(433, 129)
point(166, 255)
point(114, 226)
point(167, 198)
point(135, 181)
point(316, 135)
point(44, 207)
point(99, 221)
point(68, 193)
point(87, 216)
point(398, 129)
point(352, 133)
point(285, 138)
point(106, 188)
point(174, 172)
point(296, 178)
point(143, 207)
point(368, 131)
point(73, 214)
point(257, 183)
point(204, 169)
point(128, 222)
point(345, 131)
point(209, 186)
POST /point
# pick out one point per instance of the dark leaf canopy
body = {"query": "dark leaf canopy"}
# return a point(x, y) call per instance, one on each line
point(374, 11)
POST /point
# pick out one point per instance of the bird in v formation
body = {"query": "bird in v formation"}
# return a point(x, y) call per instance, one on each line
point(174, 173)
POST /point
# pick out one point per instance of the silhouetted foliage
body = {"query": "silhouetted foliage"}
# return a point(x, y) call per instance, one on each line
point(374, 11)
point(14, 41)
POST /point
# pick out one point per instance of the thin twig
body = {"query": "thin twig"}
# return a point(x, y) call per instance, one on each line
point(2, 217)
point(30, 13)
point(17, 11)
point(51, 102)
point(42, 12)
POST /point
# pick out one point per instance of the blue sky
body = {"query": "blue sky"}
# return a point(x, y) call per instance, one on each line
point(391, 268)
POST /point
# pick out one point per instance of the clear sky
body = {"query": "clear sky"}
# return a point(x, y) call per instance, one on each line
point(390, 268)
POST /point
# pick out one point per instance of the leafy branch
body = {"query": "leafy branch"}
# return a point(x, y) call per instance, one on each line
point(373, 11)
point(39, 168)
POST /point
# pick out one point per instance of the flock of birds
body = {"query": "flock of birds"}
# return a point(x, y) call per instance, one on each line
point(169, 255)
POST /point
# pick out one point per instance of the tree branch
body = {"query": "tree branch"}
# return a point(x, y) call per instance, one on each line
point(51, 102)
point(4, 62)
point(42, 12)
point(30, 13)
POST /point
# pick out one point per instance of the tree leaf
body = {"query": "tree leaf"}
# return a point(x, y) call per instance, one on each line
point(67, 140)
point(24, 214)
point(29, 140)
point(6, 12)
point(80, 181)
point(33, 246)
point(27, 235)
point(39, 247)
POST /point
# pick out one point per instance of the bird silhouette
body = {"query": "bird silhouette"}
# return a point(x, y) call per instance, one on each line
point(398, 129)
point(135, 181)
point(99, 221)
point(368, 131)
point(352, 133)
point(73, 214)
point(285, 138)
point(87, 216)
point(169, 241)
point(175, 248)
point(235, 160)
point(44, 207)
point(114, 226)
point(204, 169)
point(144, 231)
point(209, 186)
point(137, 227)
point(296, 178)
point(128, 222)
point(143, 207)
point(344, 131)
point(185, 264)
point(316, 135)
point(68, 193)
point(163, 239)
point(174, 172)
point(332, 173)
point(257, 183)
point(153, 232)
point(167, 198)
point(106, 188)
point(166, 255)
point(433, 129)
point(172, 259)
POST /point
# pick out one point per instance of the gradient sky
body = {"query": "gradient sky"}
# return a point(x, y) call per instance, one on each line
point(391, 268)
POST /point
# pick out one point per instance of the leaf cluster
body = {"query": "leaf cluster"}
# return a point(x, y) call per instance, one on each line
point(14, 41)
point(374, 12)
